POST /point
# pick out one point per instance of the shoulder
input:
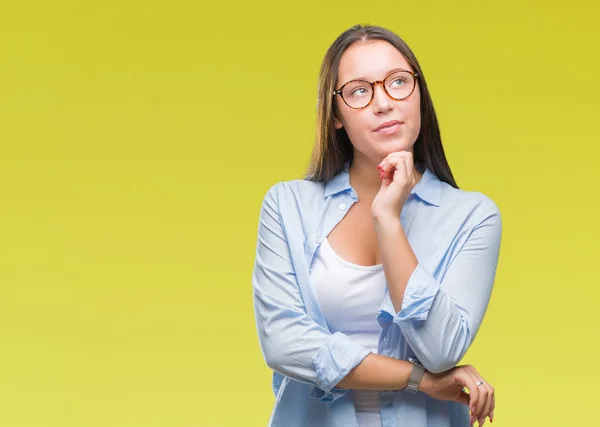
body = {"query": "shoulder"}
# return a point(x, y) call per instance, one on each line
point(296, 204)
point(299, 191)
point(471, 203)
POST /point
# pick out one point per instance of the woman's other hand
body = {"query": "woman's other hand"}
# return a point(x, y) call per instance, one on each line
point(450, 386)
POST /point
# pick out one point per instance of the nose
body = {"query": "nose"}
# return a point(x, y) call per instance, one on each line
point(381, 101)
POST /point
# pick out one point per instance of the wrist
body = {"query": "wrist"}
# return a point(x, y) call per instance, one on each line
point(386, 226)
point(416, 376)
point(427, 382)
point(385, 220)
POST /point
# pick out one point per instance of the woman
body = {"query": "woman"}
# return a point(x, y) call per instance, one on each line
point(373, 274)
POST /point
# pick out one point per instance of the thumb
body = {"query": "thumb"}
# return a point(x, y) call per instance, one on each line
point(463, 398)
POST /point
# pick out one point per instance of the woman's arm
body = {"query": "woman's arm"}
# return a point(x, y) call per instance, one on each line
point(377, 372)
point(292, 343)
point(397, 257)
point(296, 346)
point(440, 319)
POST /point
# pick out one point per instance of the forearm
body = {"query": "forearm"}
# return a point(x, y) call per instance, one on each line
point(440, 319)
point(398, 258)
point(377, 372)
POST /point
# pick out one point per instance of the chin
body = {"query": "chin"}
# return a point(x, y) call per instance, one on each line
point(394, 146)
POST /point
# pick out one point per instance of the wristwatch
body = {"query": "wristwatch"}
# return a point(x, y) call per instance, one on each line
point(416, 374)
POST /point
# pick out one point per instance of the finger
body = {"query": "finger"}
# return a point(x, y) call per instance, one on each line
point(386, 179)
point(386, 176)
point(483, 401)
point(385, 171)
point(396, 164)
point(405, 160)
point(408, 158)
point(380, 167)
point(466, 379)
point(390, 171)
point(476, 394)
point(409, 165)
point(486, 398)
point(463, 398)
point(383, 162)
point(388, 164)
point(394, 158)
point(486, 390)
point(489, 402)
point(400, 171)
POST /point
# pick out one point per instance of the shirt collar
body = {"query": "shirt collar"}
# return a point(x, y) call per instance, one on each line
point(339, 183)
point(428, 189)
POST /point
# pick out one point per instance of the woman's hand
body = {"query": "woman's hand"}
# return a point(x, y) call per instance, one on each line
point(450, 385)
point(397, 180)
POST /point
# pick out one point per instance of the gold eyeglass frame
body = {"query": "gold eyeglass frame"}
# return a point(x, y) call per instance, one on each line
point(412, 73)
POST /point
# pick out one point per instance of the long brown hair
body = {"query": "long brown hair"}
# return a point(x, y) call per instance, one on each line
point(332, 148)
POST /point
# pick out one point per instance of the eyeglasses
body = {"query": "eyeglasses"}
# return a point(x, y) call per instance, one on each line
point(398, 85)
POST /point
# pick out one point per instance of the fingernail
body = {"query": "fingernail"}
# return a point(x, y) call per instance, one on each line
point(379, 167)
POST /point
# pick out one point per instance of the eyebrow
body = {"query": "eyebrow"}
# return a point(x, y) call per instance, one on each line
point(387, 74)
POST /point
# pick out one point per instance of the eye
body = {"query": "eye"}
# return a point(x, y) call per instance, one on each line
point(356, 91)
point(400, 81)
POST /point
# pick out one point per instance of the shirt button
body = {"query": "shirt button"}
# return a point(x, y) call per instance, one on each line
point(320, 240)
point(342, 206)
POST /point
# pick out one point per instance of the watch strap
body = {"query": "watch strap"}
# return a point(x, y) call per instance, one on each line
point(416, 374)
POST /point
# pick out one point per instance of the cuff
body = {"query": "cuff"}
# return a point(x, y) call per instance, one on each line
point(328, 397)
point(419, 295)
point(338, 356)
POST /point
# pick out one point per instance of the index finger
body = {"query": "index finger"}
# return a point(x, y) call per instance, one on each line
point(468, 380)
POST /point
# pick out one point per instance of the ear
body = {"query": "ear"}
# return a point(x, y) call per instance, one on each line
point(338, 124)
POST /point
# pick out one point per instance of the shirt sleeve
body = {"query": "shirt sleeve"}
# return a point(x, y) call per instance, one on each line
point(440, 319)
point(291, 342)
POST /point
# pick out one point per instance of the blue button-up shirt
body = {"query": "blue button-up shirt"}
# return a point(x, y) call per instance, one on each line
point(455, 236)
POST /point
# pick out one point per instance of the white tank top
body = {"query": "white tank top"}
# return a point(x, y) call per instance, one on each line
point(350, 296)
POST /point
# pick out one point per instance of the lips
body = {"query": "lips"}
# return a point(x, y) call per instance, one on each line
point(387, 125)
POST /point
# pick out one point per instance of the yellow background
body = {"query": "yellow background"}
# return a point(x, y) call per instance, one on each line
point(137, 139)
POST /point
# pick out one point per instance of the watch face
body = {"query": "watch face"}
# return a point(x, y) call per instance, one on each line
point(414, 361)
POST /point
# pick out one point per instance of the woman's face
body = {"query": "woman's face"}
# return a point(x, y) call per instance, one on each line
point(371, 61)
